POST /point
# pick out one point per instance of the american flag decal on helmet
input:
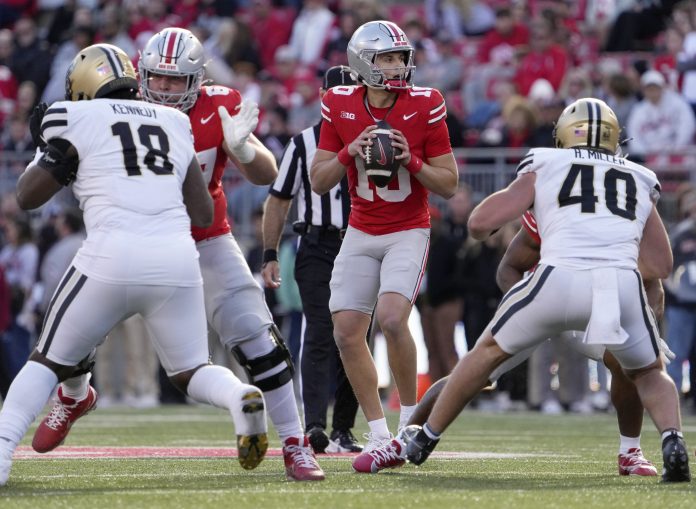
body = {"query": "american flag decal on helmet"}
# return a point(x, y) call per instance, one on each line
point(113, 62)
point(171, 47)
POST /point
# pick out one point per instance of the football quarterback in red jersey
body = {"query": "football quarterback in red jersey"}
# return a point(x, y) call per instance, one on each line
point(171, 68)
point(382, 258)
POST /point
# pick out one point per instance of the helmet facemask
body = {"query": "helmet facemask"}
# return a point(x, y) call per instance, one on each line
point(378, 76)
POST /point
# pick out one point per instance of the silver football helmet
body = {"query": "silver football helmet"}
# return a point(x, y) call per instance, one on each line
point(173, 52)
point(377, 37)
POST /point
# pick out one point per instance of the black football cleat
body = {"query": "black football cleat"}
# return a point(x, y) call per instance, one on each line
point(343, 441)
point(318, 439)
point(676, 459)
point(419, 447)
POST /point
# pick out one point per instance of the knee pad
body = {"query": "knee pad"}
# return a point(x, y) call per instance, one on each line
point(278, 361)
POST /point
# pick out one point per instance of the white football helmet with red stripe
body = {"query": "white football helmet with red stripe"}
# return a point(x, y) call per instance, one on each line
point(371, 39)
point(173, 52)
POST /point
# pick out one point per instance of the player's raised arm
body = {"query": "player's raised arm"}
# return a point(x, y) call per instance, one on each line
point(253, 159)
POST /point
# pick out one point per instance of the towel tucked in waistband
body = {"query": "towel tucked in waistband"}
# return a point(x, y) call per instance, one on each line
point(604, 326)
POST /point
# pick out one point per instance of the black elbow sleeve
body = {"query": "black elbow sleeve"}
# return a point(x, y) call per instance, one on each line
point(57, 161)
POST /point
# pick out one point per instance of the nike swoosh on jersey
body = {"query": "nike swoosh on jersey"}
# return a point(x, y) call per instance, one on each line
point(406, 117)
point(206, 119)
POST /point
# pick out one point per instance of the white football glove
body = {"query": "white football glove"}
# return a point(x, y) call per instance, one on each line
point(666, 354)
point(237, 129)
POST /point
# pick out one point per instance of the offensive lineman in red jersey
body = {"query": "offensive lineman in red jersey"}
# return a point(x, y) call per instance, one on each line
point(171, 71)
point(383, 255)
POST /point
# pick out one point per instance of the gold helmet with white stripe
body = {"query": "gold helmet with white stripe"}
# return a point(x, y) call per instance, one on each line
point(97, 71)
point(588, 123)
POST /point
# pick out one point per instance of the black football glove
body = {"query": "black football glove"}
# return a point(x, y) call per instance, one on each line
point(35, 125)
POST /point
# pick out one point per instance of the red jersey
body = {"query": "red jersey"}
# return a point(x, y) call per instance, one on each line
point(208, 140)
point(420, 114)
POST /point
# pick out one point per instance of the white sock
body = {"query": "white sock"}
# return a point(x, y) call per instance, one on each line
point(26, 398)
point(668, 432)
point(76, 388)
point(626, 443)
point(430, 432)
point(406, 413)
point(379, 428)
point(282, 410)
point(214, 385)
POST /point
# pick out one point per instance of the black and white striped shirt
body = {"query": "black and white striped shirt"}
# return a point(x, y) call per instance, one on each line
point(328, 209)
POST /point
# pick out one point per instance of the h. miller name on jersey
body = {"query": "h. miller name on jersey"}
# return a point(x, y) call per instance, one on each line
point(348, 115)
point(585, 153)
point(127, 109)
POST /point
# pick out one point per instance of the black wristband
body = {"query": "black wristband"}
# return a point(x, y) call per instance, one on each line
point(270, 255)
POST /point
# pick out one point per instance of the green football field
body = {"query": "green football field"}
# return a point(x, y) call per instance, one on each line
point(515, 460)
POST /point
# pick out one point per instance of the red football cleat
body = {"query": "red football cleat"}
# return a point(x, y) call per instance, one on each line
point(379, 454)
point(300, 462)
point(56, 425)
point(634, 463)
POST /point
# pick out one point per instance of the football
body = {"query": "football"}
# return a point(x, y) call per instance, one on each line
point(381, 164)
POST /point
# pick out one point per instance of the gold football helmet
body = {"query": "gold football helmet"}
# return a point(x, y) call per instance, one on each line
point(97, 71)
point(588, 123)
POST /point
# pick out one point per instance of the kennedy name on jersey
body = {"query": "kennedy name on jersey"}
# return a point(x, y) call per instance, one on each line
point(584, 153)
point(127, 109)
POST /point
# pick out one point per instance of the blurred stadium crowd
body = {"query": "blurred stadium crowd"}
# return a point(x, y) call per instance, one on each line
point(506, 69)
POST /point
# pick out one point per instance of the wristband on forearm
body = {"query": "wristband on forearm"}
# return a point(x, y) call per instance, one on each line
point(245, 153)
point(414, 165)
point(269, 255)
point(344, 157)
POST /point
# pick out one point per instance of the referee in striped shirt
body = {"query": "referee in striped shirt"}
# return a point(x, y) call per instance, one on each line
point(321, 223)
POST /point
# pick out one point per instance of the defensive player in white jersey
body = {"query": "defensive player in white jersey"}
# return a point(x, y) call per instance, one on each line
point(171, 69)
point(383, 255)
point(521, 256)
point(594, 210)
point(134, 170)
